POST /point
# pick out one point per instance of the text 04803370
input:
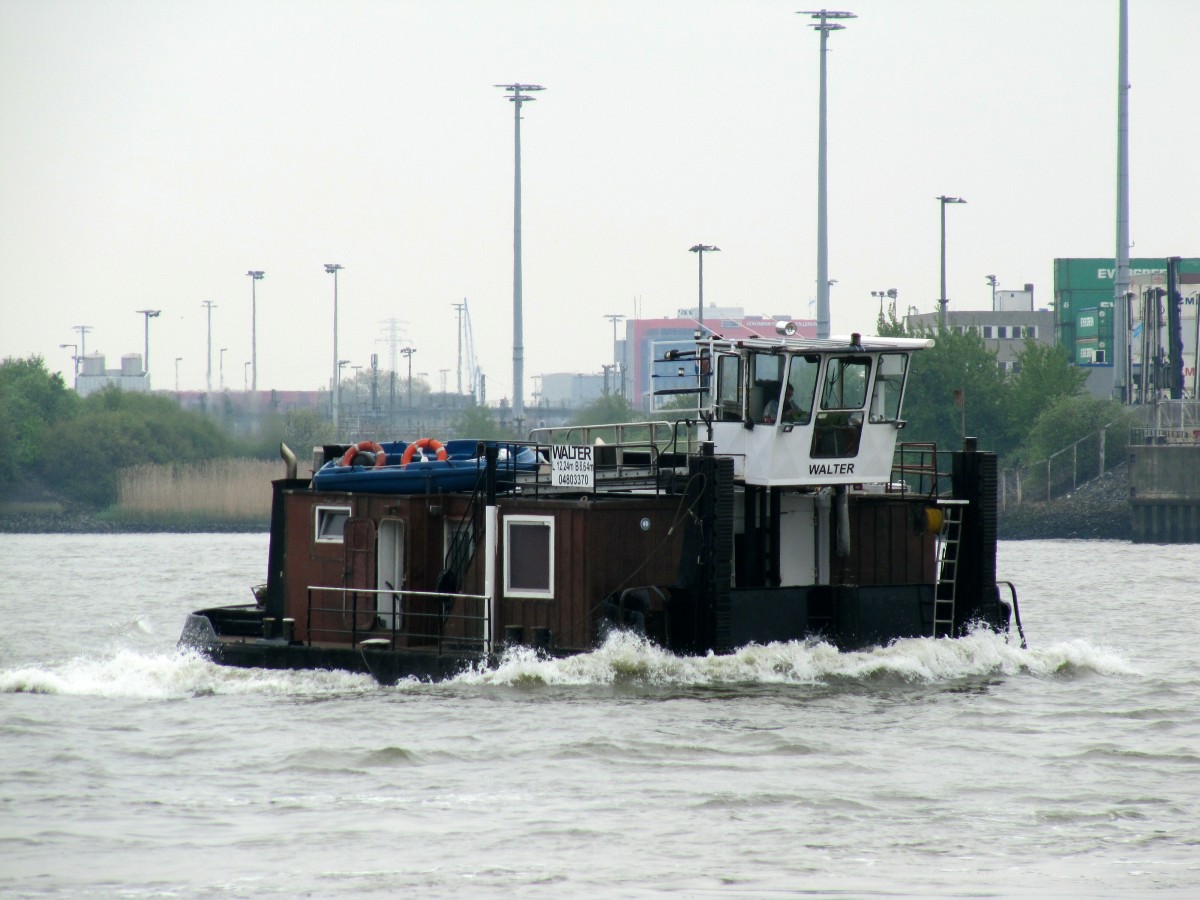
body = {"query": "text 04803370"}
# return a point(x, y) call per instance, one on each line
point(572, 466)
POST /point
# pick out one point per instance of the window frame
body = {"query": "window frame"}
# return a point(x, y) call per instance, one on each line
point(324, 511)
point(528, 593)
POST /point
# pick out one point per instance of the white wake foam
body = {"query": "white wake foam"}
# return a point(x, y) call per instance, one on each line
point(170, 676)
point(625, 658)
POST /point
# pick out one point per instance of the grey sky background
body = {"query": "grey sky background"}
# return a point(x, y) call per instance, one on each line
point(152, 152)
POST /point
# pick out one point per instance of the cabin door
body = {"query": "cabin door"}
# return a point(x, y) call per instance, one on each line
point(391, 577)
point(359, 543)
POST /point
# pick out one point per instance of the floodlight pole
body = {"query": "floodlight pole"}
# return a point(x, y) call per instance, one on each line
point(617, 367)
point(700, 250)
point(209, 306)
point(256, 275)
point(458, 311)
point(518, 96)
point(408, 352)
point(824, 26)
point(1121, 379)
point(149, 314)
point(943, 200)
point(333, 269)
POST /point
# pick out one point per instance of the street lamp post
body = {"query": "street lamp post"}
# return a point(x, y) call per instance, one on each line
point(357, 405)
point(74, 357)
point(942, 301)
point(824, 26)
point(178, 359)
point(889, 294)
point(519, 94)
point(617, 367)
point(209, 305)
point(149, 314)
point(246, 375)
point(221, 356)
point(256, 275)
point(333, 269)
point(408, 352)
point(700, 250)
point(342, 363)
point(991, 279)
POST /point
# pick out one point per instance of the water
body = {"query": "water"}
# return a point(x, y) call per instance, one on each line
point(950, 768)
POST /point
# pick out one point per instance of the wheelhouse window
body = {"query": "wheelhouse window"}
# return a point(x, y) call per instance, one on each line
point(766, 383)
point(846, 382)
point(838, 427)
point(329, 523)
point(802, 379)
point(889, 386)
point(529, 557)
point(729, 388)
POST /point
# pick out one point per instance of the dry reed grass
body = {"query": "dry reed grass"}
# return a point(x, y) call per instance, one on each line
point(218, 491)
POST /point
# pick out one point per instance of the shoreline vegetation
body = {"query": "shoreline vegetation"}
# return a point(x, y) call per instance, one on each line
point(235, 496)
point(226, 495)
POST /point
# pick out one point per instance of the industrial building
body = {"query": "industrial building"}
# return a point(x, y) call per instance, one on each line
point(1084, 321)
point(1012, 320)
point(92, 376)
point(647, 341)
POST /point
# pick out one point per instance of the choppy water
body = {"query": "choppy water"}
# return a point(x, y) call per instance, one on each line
point(925, 768)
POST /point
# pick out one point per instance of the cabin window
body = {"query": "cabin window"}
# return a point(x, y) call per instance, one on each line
point(889, 386)
point(766, 383)
point(729, 388)
point(846, 382)
point(330, 523)
point(802, 379)
point(529, 557)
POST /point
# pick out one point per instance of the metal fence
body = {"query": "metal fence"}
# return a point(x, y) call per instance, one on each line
point(1060, 474)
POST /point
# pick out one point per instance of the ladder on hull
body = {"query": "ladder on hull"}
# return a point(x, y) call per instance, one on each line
point(949, 543)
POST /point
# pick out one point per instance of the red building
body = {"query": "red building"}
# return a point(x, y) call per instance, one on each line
point(647, 340)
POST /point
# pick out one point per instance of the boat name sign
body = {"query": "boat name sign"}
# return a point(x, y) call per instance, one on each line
point(572, 465)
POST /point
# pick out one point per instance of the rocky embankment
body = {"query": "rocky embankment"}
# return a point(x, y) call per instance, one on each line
point(1097, 510)
point(18, 521)
point(33, 509)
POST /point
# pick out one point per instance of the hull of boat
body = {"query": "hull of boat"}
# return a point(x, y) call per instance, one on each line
point(384, 664)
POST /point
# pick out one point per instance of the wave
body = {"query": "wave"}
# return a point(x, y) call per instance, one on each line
point(624, 659)
point(171, 676)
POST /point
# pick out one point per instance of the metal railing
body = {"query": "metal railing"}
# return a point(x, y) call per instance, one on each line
point(625, 454)
point(430, 620)
point(1158, 436)
point(1062, 473)
point(917, 468)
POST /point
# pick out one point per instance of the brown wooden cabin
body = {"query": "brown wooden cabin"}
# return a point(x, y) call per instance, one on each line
point(597, 544)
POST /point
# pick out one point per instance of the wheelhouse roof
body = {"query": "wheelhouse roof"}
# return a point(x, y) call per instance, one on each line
point(837, 343)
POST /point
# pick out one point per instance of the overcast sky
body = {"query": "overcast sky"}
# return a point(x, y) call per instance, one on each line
point(151, 152)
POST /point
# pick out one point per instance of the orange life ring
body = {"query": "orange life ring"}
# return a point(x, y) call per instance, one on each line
point(365, 447)
point(423, 444)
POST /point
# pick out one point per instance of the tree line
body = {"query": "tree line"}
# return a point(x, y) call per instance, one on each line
point(959, 388)
point(75, 446)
